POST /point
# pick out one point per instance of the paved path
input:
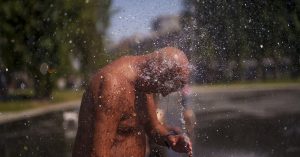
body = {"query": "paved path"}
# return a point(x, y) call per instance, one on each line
point(14, 116)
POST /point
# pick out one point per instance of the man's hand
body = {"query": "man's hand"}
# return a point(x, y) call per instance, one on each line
point(180, 143)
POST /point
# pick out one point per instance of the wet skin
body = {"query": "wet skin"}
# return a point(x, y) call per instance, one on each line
point(117, 113)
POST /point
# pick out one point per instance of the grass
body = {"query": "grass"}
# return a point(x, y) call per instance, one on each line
point(252, 84)
point(25, 103)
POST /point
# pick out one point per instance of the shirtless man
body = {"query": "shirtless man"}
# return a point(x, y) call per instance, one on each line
point(118, 109)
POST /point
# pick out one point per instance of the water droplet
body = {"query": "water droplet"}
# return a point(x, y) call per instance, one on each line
point(44, 68)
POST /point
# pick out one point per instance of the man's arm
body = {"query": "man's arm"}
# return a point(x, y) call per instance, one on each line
point(155, 130)
point(161, 134)
point(107, 116)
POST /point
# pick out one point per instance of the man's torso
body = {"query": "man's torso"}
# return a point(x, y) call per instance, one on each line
point(130, 140)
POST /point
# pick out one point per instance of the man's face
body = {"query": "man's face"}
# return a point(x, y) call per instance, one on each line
point(170, 82)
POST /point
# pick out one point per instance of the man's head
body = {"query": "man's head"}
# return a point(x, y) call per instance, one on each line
point(164, 71)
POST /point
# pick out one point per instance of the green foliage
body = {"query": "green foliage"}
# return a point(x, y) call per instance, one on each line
point(246, 29)
point(86, 23)
point(39, 37)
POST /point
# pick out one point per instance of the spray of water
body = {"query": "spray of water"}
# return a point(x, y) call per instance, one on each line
point(183, 123)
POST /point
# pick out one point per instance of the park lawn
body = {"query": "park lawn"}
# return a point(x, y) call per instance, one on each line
point(249, 85)
point(58, 96)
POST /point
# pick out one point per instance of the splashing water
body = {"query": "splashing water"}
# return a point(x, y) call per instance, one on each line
point(182, 121)
point(183, 124)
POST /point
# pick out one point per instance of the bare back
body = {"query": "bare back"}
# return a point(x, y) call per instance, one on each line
point(109, 109)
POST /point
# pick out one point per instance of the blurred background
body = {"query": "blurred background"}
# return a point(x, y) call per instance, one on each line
point(244, 90)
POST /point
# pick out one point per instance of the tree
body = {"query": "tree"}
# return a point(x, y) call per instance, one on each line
point(38, 37)
point(86, 25)
point(238, 30)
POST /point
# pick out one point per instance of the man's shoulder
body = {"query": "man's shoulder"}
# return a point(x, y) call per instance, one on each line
point(109, 79)
point(105, 86)
point(104, 77)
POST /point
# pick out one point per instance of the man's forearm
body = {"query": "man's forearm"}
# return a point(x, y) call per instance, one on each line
point(159, 134)
point(155, 130)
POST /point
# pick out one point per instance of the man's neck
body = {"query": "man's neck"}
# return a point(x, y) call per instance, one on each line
point(135, 68)
point(139, 65)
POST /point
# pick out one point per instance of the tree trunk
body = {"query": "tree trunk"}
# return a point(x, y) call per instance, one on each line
point(43, 86)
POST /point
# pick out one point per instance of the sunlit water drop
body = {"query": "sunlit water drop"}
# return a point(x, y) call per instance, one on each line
point(261, 46)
